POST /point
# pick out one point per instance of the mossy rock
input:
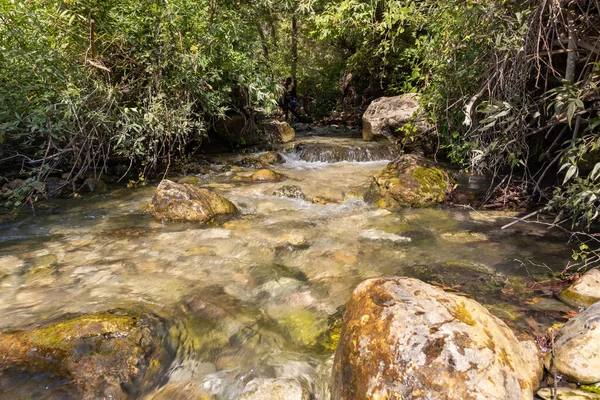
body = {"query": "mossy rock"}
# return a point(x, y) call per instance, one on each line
point(265, 175)
point(98, 355)
point(409, 180)
point(271, 158)
point(303, 327)
point(191, 180)
point(584, 292)
point(184, 202)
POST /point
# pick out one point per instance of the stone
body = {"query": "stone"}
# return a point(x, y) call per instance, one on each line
point(399, 118)
point(95, 185)
point(274, 389)
point(409, 180)
point(100, 355)
point(278, 131)
point(184, 202)
point(291, 191)
point(584, 292)
point(563, 393)
point(303, 326)
point(190, 180)
point(265, 175)
point(577, 348)
point(271, 158)
point(402, 338)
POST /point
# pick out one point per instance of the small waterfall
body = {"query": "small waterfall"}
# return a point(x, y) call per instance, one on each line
point(329, 153)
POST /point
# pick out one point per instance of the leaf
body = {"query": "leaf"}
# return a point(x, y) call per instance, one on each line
point(595, 172)
point(570, 173)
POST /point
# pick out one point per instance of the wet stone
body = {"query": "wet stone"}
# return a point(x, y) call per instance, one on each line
point(563, 393)
point(274, 389)
point(402, 336)
point(291, 191)
point(98, 355)
point(584, 292)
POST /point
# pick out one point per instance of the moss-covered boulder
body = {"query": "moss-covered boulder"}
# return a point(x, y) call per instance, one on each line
point(291, 191)
point(584, 292)
point(409, 180)
point(577, 348)
point(106, 355)
point(278, 131)
point(404, 339)
point(265, 175)
point(184, 202)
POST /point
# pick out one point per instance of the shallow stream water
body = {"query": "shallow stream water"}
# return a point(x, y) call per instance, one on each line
point(278, 276)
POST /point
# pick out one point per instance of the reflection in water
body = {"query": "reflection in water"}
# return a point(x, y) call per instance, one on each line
point(260, 297)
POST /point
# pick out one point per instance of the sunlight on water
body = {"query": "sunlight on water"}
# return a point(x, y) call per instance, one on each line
point(258, 298)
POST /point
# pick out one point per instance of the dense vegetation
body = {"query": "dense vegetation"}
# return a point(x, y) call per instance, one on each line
point(510, 85)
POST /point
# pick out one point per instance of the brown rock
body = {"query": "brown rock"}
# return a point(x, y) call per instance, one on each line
point(184, 202)
point(405, 339)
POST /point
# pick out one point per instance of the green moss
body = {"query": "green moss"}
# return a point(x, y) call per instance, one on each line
point(432, 182)
point(595, 388)
point(59, 334)
point(303, 327)
point(192, 180)
point(575, 299)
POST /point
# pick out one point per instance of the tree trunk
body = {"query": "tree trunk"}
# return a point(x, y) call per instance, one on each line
point(572, 48)
point(263, 41)
point(294, 45)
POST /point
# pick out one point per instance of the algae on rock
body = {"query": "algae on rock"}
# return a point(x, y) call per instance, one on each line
point(185, 202)
point(99, 355)
point(409, 180)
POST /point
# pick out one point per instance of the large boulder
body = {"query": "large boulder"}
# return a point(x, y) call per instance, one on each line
point(185, 202)
point(107, 355)
point(404, 339)
point(577, 348)
point(398, 118)
point(584, 292)
point(409, 180)
point(278, 131)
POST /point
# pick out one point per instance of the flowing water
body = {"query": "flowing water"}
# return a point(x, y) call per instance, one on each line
point(261, 296)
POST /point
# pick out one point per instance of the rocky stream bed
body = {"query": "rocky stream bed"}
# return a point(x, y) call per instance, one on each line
point(289, 256)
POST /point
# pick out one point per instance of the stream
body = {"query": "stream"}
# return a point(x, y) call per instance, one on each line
point(261, 295)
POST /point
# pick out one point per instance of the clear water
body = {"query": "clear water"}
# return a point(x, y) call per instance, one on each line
point(256, 297)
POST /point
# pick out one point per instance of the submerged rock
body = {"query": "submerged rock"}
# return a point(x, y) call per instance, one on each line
point(184, 202)
point(292, 191)
point(271, 158)
point(577, 348)
point(274, 389)
point(409, 180)
point(278, 131)
point(584, 292)
point(400, 118)
point(99, 355)
point(403, 338)
point(265, 175)
point(191, 180)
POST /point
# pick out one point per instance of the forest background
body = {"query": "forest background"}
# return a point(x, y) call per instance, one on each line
point(511, 86)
